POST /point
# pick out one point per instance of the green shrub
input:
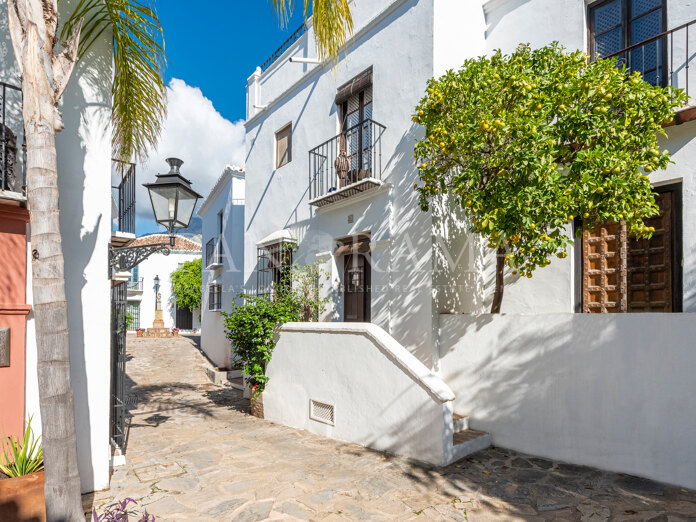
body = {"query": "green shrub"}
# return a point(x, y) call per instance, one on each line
point(252, 326)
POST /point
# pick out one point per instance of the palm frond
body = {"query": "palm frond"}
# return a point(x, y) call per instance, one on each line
point(332, 22)
point(138, 90)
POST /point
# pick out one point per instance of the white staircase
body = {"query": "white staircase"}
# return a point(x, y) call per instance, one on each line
point(465, 441)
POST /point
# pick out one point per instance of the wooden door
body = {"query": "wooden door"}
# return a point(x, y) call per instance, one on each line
point(184, 319)
point(357, 295)
point(650, 262)
point(604, 268)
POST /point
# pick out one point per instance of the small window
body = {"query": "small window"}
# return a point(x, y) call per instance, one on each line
point(215, 298)
point(284, 146)
point(274, 268)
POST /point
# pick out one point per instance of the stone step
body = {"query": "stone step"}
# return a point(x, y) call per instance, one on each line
point(460, 422)
point(467, 442)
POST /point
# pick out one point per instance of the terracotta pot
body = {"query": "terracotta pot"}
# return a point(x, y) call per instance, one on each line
point(256, 400)
point(140, 333)
point(175, 332)
point(22, 499)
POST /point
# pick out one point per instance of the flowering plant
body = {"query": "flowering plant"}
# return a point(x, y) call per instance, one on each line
point(118, 512)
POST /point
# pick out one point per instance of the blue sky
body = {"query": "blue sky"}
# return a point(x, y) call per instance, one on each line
point(209, 61)
point(218, 53)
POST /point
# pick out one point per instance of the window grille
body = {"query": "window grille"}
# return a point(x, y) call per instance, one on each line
point(215, 298)
point(274, 263)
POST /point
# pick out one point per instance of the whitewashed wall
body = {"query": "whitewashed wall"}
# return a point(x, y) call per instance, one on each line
point(612, 391)
point(163, 266)
point(393, 38)
point(227, 196)
point(383, 397)
point(84, 167)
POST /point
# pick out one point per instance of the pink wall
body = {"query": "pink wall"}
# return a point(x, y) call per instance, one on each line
point(13, 312)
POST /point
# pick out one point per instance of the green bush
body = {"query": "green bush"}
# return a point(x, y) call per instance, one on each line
point(252, 326)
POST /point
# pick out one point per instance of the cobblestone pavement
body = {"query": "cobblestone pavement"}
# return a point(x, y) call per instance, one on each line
point(194, 454)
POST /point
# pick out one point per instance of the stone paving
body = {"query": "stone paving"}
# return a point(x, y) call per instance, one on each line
point(193, 453)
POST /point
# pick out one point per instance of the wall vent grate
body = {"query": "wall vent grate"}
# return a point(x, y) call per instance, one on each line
point(321, 412)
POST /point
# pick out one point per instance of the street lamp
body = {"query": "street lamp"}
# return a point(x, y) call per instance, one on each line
point(157, 284)
point(173, 201)
point(172, 198)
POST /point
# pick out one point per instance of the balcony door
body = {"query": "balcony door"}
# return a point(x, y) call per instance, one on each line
point(618, 24)
point(356, 135)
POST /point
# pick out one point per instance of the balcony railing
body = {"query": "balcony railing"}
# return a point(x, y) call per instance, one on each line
point(286, 44)
point(124, 174)
point(347, 164)
point(213, 253)
point(12, 143)
point(665, 59)
point(136, 286)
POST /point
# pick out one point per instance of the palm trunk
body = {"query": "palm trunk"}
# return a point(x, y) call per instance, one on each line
point(499, 280)
point(45, 75)
point(62, 485)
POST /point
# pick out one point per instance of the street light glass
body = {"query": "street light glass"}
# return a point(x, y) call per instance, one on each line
point(173, 200)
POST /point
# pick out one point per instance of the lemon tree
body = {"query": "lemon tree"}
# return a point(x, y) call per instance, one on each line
point(526, 142)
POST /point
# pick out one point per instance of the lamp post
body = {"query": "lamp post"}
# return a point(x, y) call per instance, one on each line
point(157, 287)
point(173, 201)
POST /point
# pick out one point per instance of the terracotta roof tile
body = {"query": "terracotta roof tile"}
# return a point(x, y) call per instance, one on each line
point(180, 243)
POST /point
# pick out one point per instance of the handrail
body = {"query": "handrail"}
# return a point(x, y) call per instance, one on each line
point(665, 57)
point(352, 159)
point(285, 45)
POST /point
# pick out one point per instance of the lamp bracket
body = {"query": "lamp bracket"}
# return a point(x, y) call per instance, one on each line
point(125, 258)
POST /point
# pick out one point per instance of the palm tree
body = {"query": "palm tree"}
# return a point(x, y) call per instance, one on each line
point(139, 105)
point(139, 102)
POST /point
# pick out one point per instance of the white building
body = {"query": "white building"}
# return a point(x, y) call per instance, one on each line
point(541, 378)
point(84, 163)
point(223, 263)
point(141, 285)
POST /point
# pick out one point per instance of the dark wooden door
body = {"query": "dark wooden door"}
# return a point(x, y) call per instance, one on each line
point(650, 262)
point(357, 295)
point(184, 319)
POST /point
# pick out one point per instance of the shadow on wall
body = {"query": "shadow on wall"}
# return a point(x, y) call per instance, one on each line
point(588, 389)
point(501, 11)
point(91, 75)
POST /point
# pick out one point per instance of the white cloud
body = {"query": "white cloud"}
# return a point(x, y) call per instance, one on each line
point(196, 133)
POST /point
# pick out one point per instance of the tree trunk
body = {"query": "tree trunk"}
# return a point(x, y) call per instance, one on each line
point(33, 26)
point(499, 280)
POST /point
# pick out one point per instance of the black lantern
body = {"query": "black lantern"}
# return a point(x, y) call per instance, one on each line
point(173, 200)
point(157, 284)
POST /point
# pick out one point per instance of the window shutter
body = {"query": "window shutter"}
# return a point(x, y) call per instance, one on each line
point(650, 267)
point(604, 268)
point(284, 146)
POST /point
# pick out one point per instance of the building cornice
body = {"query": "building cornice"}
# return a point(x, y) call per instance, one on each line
point(231, 171)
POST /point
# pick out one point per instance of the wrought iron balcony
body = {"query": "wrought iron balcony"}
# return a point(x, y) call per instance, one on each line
point(12, 142)
point(213, 253)
point(347, 164)
point(135, 286)
point(665, 59)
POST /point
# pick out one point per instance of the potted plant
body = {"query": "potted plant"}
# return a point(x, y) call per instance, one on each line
point(140, 331)
point(175, 331)
point(22, 478)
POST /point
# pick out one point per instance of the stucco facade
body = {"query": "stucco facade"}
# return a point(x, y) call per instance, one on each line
point(223, 266)
point(431, 280)
point(84, 162)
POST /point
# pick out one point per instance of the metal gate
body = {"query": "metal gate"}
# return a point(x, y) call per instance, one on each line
point(184, 319)
point(119, 295)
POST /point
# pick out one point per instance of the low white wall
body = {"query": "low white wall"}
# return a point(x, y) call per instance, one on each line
point(384, 398)
point(611, 391)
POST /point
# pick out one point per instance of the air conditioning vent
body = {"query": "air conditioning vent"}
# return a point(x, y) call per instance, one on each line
point(321, 412)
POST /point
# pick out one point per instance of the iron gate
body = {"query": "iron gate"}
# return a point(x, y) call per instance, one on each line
point(119, 302)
